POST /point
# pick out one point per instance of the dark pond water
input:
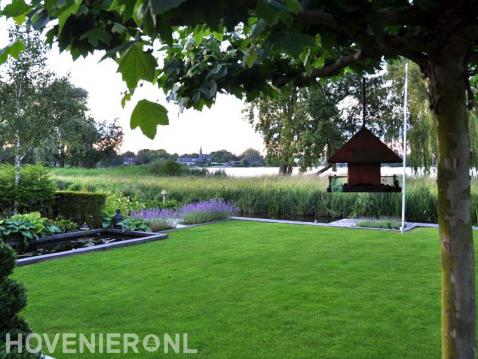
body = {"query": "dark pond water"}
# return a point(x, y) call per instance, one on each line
point(38, 248)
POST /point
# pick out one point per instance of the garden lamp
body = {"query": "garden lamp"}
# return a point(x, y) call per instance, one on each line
point(164, 193)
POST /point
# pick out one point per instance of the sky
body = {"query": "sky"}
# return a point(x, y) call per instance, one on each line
point(221, 127)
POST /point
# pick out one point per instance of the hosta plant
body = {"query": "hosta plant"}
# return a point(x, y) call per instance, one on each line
point(26, 228)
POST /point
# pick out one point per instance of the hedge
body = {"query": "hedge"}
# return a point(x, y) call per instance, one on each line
point(80, 207)
point(36, 190)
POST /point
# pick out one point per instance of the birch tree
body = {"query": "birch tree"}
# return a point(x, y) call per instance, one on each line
point(24, 108)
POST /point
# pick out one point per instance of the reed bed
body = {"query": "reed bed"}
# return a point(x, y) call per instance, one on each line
point(268, 196)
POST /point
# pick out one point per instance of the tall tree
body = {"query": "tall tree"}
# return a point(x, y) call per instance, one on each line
point(281, 121)
point(245, 46)
point(222, 156)
point(68, 108)
point(310, 124)
point(24, 112)
point(252, 157)
point(422, 134)
point(97, 143)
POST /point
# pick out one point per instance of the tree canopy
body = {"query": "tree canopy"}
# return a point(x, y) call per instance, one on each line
point(242, 47)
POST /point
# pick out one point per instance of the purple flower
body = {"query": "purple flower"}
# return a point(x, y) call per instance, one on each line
point(199, 212)
point(213, 205)
point(155, 213)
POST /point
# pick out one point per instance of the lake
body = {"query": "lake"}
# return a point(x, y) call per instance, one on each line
point(341, 171)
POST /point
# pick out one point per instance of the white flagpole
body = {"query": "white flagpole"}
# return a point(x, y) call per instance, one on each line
point(404, 184)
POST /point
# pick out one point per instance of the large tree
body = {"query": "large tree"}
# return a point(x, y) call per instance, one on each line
point(422, 134)
point(25, 120)
point(69, 116)
point(309, 124)
point(96, 143)
point(244, 47)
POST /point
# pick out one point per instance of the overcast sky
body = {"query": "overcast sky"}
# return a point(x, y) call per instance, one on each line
point(221, 127)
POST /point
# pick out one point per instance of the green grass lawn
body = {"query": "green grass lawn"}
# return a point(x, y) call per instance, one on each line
point(252, 290)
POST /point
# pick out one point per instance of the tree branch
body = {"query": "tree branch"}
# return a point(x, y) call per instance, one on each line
point(323, 169)
point(303, 78)
point(407, 15)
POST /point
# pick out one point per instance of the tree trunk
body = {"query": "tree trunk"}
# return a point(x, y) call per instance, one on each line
point(62, 156)
point(454, 216)
point(18, 147)
point(283, 169)
point(18, 163)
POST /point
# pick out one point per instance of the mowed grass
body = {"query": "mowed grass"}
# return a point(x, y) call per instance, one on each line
point(253, 290)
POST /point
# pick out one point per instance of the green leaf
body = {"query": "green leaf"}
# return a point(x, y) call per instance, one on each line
point(126, 97)
point(293, 43)
point(147, 116)
point(97, 35)
point(66, 11)
point(118, 28)
point(18, 10)
point(258, 28)
point(161, 6)
point(13, 50)
point(266, 12)
point(294, 6)
point(136, 65)
point(39, 19)
point(250, 57)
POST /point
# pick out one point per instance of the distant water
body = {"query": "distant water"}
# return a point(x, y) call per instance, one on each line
point(341, 171)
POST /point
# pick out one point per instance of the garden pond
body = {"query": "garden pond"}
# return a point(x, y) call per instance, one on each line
point(66, 244)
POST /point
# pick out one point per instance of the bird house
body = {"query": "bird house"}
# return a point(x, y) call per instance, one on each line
point(364, 154)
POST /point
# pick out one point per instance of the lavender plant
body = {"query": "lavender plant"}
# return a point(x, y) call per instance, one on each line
point(206, 211)
point(193, 213)
point(157, 218)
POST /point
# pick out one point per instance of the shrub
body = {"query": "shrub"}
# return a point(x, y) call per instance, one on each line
point(206, 211)
point(80, 207)
point(36, 190)
point(219, 173)
point(12, 301)
point(197, 172)
point(386, 223)
point(126, 204)
point(167, 168)
point(133, 224)
point(26, 228)
point(65, 225)
point(157, 218)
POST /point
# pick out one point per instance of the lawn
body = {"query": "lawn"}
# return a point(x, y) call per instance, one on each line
point(252, 290)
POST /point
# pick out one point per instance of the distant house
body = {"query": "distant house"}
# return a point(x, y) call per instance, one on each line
point(129, 161)
point(235, 164)
point(200, 160)
point(188, 161)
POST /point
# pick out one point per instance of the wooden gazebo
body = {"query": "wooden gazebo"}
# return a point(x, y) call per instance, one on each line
point(364, 153)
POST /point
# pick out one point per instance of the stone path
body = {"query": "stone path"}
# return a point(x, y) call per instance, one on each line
point(342, 223)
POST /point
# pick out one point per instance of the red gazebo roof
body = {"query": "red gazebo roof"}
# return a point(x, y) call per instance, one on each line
point(364, 147)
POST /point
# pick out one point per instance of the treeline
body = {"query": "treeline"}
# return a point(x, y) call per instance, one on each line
point(249, 158)
point(45, 118)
